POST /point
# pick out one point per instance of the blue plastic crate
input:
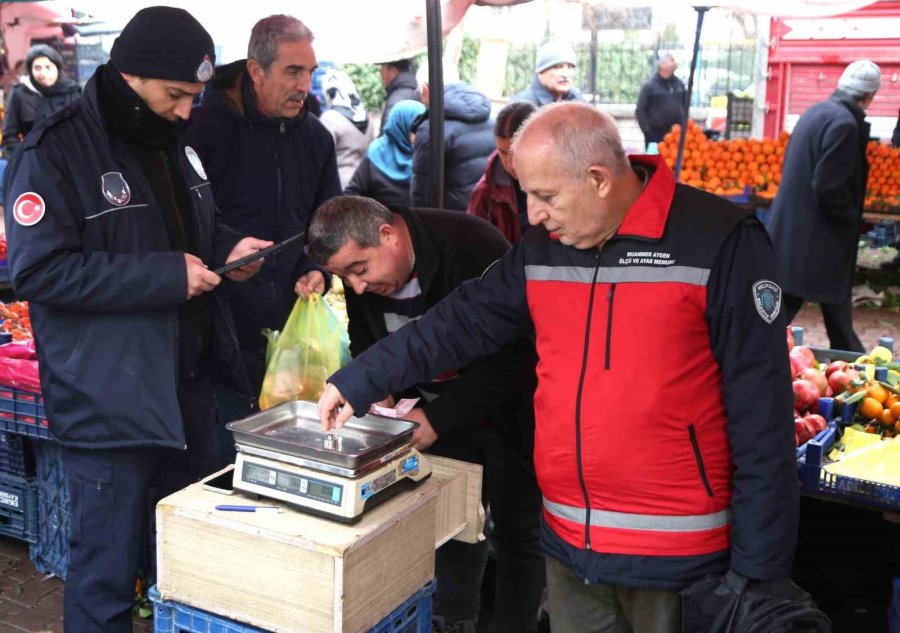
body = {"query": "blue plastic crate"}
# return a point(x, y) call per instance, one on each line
point(50, 551)
point(816, 482)
point(18, 507)
point(23, 412)
point(413, 616)
point(16, 455)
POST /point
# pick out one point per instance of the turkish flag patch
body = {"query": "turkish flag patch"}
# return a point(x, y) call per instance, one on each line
point(29, 209)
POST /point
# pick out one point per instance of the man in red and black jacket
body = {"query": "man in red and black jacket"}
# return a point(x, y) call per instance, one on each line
point(663, 447)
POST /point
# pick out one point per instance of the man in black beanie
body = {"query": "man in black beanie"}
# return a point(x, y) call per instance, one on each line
point(113, 238)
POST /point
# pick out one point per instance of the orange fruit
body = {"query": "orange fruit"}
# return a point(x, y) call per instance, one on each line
point(876, 391)
point(895, 410)
point(886, 418)
point(871, 408)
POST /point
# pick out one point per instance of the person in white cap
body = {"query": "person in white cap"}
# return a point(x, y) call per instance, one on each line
point(815, 218)
point(554, 78)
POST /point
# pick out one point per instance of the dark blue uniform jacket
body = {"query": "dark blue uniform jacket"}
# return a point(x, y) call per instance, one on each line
point(268, 176)
point(105, 286)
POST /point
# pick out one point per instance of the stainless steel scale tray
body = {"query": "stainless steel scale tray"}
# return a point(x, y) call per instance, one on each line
point(293, 428)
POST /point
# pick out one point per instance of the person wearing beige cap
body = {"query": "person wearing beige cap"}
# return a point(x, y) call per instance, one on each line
point(554, 78)
point(816, 215)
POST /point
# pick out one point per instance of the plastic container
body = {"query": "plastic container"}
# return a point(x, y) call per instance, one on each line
point(413, 616)
point(23, 412)
point(16, 456)
point(18, 507)
point(50, 550)
point(816, 482)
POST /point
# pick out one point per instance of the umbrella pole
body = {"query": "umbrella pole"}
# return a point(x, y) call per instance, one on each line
point(435, 104)
point(701, 11)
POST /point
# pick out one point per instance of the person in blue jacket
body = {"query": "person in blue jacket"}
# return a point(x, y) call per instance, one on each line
point(468, 141)
point(271, 165)
point(113, 238)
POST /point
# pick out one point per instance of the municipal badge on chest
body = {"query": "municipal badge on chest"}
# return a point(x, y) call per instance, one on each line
point(115, 189)
point(194, 160)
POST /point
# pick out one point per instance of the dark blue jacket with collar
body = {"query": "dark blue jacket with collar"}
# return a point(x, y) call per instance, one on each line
point(268, 176)
point(105, 286)
point(538, 94)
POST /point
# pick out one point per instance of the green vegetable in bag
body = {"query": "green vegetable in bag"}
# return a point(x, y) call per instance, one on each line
point(312, 345)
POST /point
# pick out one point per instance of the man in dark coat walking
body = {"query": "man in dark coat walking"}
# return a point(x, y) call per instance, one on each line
point(816, 215)
point(661, 102)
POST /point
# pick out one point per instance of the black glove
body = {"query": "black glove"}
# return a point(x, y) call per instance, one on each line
point(736, 604)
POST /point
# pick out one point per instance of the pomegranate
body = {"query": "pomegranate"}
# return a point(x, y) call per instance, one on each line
point(840, 379)
point(816, 377)
point(801, 431)
point(804, 356)
point(818, 420)
point(834, 366)
point(806, 396)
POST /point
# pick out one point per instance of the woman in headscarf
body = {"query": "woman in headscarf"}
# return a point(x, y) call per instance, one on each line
point(347, 120)
point(385, 173)
point(44, 89)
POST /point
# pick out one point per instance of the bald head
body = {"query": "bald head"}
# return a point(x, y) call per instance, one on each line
point(576, 134)
point(570, 163)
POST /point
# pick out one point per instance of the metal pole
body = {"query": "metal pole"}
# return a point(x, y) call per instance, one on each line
point(435, 104)
point(593, 81)
point(701, 11)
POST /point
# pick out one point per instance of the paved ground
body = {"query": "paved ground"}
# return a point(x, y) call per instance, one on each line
point(32, 603)
point(29, 601)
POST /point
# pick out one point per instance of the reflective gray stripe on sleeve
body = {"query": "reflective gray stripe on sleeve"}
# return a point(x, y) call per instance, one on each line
point(650, 522)
point(129, 206)
point(626, 274)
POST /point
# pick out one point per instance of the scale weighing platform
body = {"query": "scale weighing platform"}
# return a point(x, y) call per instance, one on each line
point(284, 454)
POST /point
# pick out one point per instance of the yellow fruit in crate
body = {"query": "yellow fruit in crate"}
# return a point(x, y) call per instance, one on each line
point(881, 355)
point(865, 359)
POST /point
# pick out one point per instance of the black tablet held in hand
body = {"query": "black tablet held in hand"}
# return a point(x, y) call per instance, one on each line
point(266, 252)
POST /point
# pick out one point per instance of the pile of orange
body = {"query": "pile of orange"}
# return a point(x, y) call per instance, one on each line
point(727, 168)
point(883, 189)
point(739, 166)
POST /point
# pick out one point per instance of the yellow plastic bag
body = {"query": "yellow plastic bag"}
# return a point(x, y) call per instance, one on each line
point(313, 345)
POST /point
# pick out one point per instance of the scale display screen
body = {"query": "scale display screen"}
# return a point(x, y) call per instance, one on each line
point(291, 483)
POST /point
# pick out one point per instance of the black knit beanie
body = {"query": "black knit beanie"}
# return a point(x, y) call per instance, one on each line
point(165, 43)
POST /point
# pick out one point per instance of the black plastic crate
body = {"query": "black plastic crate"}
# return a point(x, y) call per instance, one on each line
point(18, 507)
point(16, 455)
point(23, 412)
point(50, 550)
point(739, 117)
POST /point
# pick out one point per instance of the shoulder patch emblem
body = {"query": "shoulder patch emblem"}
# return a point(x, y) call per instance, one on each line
point(767, 297)
point(115, 189)
point(194, 160)
point(29, 208)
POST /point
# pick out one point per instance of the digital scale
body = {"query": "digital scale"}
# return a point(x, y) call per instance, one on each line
point(284, 454)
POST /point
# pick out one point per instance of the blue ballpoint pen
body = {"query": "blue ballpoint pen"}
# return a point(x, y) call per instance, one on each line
point(228, 508)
